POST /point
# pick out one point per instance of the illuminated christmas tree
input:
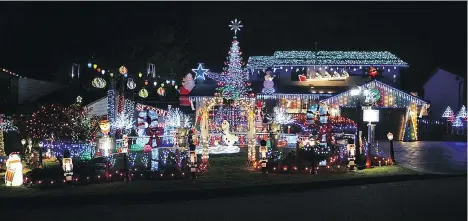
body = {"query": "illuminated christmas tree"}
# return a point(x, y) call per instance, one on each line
point(458, 122)
point(233, 80)
point(410, 132)
point(448, 112)
point(6, 125)
point(67, 123)
point(462, 113)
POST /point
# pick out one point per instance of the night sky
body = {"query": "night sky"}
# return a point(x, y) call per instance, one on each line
point(42, 39)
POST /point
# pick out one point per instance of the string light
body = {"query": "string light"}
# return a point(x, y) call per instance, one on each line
point(338, 58)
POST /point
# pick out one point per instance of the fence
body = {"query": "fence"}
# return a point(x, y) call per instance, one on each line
point(438, 130)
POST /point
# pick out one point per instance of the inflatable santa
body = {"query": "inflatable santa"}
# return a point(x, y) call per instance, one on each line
point(14, 173)
point(187, 85)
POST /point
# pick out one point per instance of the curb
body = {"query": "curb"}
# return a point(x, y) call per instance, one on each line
point(203, 194)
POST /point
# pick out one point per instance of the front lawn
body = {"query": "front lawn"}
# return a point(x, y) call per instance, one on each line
point(226, 171)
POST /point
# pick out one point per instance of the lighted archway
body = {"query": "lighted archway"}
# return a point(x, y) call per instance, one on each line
point(202, 120)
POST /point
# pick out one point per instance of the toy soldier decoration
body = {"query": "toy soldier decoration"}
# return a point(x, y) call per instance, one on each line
point(67, 166)
point(263, 155)
point(193, 160)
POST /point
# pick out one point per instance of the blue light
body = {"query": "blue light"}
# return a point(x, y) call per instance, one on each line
point(200, 72)
point(90, 65)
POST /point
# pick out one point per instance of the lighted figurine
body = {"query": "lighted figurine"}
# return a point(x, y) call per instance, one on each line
point(351, 148)
point(124, 144)
point(228, 138)
point(193, 160)
point(14, 172)
point(263, 155)
point(105, 127)
point(268, 84)
point(67, 166)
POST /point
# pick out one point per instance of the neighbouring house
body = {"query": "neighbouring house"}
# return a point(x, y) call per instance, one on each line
point(16, 90)
point(444, 89)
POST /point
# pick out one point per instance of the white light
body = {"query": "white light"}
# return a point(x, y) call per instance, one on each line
point(390, 136)
point(355, 92)
point(394, 76)
point(103, 71)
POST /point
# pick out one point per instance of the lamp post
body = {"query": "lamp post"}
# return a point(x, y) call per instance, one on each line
point(392, 153)
point(356, 93)
point(23, 142)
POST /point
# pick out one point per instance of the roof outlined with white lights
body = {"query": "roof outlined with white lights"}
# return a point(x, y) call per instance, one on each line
point(334, 58)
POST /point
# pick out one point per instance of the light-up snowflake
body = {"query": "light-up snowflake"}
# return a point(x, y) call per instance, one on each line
point(124, 122)
point(281, 117)
point(236, 26)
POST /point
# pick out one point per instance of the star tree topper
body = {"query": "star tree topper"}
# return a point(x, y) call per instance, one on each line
point(200, 72)
point(236, 26)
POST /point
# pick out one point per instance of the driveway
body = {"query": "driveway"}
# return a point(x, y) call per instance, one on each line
point(429, 156)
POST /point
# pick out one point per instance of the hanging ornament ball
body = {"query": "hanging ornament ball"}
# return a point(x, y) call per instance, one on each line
point(131, 84)
point(143, 93)
point(161, 91)
point(146, 82)
point(111, 74)
point(123, 70)
point(140, 74)
point(252, 95)
point(162, 85)
point(176, 87)
point(98, 70)
point(173, 82)
point(90, 65)
point(103, 72)
point(95, 66)
point(99, 82)
point(125, 75)
point(155, 83)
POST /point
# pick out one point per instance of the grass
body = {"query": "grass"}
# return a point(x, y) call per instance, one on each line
point(224, 172)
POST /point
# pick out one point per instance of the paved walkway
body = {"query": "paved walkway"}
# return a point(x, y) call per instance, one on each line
point(429, 156)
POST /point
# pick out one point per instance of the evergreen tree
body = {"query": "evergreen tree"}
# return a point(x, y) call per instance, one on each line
point(233, 80)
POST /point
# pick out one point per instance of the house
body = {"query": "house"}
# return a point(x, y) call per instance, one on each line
point(16, 90)
point(444, 89)
point(302, 78)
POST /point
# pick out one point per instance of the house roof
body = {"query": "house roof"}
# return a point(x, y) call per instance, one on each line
point(337, 58)
point(439, 70)
point(372, 84)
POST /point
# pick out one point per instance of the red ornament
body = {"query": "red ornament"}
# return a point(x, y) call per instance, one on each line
point(146, 82)
point(252, 95)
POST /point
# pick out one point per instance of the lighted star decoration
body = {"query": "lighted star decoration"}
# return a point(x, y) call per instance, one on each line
point(236, 26)
point(200, 72)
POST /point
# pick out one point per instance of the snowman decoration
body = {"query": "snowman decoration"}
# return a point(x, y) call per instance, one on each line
point(268, 84)
point(228, 139)
point(14, 173)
